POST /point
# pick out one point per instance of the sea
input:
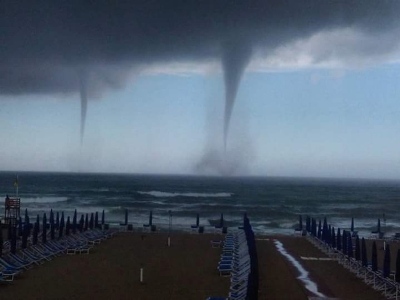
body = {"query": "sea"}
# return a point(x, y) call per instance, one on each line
point(272, 204)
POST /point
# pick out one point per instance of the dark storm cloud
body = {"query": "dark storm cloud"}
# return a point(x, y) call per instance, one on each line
point(46, 44)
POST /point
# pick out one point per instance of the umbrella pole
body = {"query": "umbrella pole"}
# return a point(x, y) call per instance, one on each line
point(141, 274)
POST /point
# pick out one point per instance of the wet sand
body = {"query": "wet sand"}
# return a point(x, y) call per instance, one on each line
point(186, 270)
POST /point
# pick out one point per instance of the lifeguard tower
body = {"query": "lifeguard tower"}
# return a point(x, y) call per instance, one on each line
point(12, 206)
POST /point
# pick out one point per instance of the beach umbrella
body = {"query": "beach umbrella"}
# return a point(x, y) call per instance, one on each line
point(308, 229)
point(13, 246)
point(35, 233)
point(24, 243)
point(81, 223)
point(325, 231)
point(91, 221)
point(102, 218)
point(333, 237)
point(51, 218)
point(86, 222)
point(358, 252)
point(197, 220)
point(52, 226)
point(339, 240)
point(1, 242)
point(20, 227)
point(319, 230)
point(328, 235)
point(397, 276)
point(57, 220)
point(378, 228)
point(9, 231)
point(374, 258)
point(62, 225)
point(386, 262)
point(74, 222)
point(221, 221)
point(44, 234)
point(349, 245)
point(344, 242)
point(38, 219)
point(67, 226)
point(352, 225)
point(126, 217)
point(300, 222)
point(151, 218)
point(96, 220)
point(312, 229)
point(27, 222)
point(364, 259)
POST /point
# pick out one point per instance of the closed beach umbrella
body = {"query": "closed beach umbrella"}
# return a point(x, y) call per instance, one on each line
point(57, 220)
point(349, 245)
point(325, 231)
point(35, 233)
point(96, 220)
point(67, 226)
point(344, 242)
point(20, 227)
point(9, 231)
point(328, 235)
point(52, 228)
point(86, 222)
point(319, 230)
point(378, 228)
point(102, 218)
point(300, 222)
point(197, 220)
point(27, 222)
point(352, 225)
point(333, 237)
point(1, 242)
point(397, 276)
point(74, 222)
point(374, 258)
point(81, 223)
point(51, 218)
point(386, 262)
point(25, 236)
point(358, 252)
point(13, 245)
point(62, 225)
point(44, 234)
point(126, 217)
point(339, 240)
point(364, 259)
point(151, 218)
point(308, 229)
point(91, 222)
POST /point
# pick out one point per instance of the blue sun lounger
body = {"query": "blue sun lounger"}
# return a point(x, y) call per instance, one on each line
point(6, 277)
point(19, 261)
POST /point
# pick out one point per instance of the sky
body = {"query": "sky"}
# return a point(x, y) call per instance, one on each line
point(296, 93)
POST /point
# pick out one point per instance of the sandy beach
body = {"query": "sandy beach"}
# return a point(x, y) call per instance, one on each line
point(186, 270)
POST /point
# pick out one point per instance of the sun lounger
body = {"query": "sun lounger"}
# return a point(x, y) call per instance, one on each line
point(7, 267)
point(26, 264)
point(6, 277)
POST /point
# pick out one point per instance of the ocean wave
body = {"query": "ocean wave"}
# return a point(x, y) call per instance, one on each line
point(44, 199)
point(189, 194)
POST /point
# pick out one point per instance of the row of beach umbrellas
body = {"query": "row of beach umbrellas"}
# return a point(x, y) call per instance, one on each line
point(343, 241)
point(126, 220)
point(56, 224)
